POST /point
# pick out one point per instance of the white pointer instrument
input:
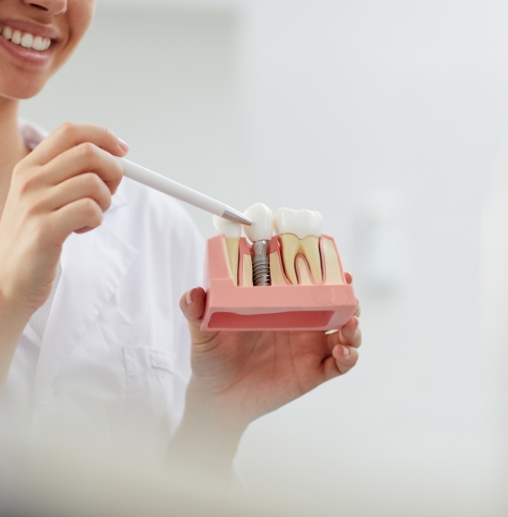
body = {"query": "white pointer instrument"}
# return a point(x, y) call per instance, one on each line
point(172, 188)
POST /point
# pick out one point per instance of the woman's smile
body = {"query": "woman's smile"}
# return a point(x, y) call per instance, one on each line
point(28, 42)
point(36, 38)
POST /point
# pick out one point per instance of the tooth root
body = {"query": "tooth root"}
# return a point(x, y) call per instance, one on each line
point(303, 272)
point(246, 280)
point(277, 276)
point(310, 247)
point(232, 249)
point(290, 245)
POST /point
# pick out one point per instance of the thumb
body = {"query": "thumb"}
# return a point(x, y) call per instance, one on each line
point(192, 304)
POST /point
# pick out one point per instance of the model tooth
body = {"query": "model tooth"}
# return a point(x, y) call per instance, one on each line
point(229, 229)
point(232, 232)
point(299, 233)
point(261, 228)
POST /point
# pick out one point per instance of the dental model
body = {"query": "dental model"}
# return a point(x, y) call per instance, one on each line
point(260, 233)
point(299, 233)
point(232, 233)
point(301, 267)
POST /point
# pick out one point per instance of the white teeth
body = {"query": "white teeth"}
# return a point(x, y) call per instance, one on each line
point(38, 44)
point(262, 223)
point(16, 37)
point(229, 229)
point(301, 223)
point(26, 40)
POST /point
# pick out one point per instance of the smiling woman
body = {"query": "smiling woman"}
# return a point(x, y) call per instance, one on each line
point(95, 353)
point(40, 43)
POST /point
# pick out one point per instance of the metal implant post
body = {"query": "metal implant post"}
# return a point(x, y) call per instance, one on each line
point(261, 264)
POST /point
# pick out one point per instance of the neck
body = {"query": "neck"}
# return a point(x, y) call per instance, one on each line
point(12, 147)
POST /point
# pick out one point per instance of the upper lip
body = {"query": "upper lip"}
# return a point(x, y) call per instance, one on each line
point(37, 29)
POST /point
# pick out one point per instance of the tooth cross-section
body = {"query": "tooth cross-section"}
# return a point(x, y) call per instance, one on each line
point(309, 246)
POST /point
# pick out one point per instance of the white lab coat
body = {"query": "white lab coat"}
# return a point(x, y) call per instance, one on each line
point(114, 361)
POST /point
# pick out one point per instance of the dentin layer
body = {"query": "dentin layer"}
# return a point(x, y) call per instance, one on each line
point(309, 246)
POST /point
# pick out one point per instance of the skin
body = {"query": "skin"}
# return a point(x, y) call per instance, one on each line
point(65, 185)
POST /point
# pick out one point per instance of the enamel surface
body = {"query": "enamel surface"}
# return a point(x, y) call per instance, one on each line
point(301, 223)
point(25, 39)
point(262, 223)
point(229, 229)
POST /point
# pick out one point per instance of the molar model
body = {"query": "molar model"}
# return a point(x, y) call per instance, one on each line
point(299, 233)
point(293, 280)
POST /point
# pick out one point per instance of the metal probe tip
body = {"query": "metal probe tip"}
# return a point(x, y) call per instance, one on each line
point(237, 217)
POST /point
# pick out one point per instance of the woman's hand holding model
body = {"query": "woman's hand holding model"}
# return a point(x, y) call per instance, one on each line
point(240, 376)
point(63, 186)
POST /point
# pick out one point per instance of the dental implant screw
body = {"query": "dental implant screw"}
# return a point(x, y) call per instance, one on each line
point(261, 264)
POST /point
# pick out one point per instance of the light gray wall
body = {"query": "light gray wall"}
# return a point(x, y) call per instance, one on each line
point(343, 100)
point(323, 105)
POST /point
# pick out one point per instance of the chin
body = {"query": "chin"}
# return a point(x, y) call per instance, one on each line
point(21, 90)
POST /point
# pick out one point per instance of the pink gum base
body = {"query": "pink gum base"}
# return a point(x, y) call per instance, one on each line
point(276, 307)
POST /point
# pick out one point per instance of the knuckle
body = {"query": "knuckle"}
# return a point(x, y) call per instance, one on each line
point(89, 207)
point(92, 212)
point(91, 183)
point(107, 132)
point(68, 128)
point(26, 182)
point(87, 150)
point(18, 170)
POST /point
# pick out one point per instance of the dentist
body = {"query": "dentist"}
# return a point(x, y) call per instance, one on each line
point(94, 350)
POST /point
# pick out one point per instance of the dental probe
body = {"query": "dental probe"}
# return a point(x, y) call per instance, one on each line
point(172, 188)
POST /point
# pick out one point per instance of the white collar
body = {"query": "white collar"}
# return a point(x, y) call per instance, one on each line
point(31, 133)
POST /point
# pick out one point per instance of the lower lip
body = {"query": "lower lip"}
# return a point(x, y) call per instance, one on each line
point(25, 55)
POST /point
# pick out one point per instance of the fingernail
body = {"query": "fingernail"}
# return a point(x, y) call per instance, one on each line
point(345, 351)
point(188, 296)
point(357, 322)
point(122, 144)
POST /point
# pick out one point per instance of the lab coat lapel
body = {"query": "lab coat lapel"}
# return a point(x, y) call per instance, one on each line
point(93, 266)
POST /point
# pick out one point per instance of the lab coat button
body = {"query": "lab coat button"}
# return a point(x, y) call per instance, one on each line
point(47, 397)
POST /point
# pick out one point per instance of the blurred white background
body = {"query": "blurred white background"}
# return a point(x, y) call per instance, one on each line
point(386, 117)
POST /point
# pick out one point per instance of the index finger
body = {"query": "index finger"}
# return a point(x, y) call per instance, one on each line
point(70, 135)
